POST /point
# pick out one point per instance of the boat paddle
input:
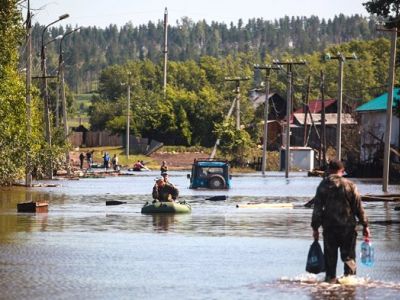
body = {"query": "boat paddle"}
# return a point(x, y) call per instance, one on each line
point(115, 202)
point(217, 198)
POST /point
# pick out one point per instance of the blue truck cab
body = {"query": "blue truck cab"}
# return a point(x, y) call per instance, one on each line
point(210, 173)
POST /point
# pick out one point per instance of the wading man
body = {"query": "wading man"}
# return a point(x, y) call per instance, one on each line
point(336, 207)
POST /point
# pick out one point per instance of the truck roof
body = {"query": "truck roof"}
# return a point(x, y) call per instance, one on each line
point(211, 163)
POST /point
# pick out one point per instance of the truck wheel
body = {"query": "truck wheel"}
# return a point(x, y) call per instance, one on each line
point(216, 182)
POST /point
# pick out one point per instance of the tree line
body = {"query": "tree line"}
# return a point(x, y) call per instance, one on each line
point(93, 48)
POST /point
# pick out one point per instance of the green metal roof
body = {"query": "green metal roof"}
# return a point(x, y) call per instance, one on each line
point(380, 103)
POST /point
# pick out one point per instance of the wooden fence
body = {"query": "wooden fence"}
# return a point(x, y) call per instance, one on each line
point(95, 139)
point(104, 138)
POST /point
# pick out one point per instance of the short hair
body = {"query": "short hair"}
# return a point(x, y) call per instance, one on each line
point(335, 165)
point(159, 179)
point(164, 174)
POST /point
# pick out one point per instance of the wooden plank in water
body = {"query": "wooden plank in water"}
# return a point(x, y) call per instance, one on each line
point(265, 205)
point(32, 207)
point(381, 198)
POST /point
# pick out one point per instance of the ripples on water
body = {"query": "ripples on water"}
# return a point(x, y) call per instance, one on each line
point(85, 249)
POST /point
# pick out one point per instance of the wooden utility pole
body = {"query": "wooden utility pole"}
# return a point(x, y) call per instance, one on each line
point(128, 115)
point(388, 131)
point(45, 95)
point(237, 80)
point(323, 132)
point(235, 101)
point(341, 58)
point(61, 67)
point(289, 66)
point(267, 69)
point(165, 52)
point(64, 107)
point(214, 151)
point(305, 109)
point(28, 173)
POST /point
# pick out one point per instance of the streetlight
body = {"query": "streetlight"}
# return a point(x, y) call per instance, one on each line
point(61, 90)
point(45, 93)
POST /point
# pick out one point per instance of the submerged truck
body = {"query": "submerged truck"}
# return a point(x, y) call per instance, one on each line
point(210, 173)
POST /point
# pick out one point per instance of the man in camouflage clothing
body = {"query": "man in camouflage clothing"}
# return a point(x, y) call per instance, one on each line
point(164, 192)
point(337, 203)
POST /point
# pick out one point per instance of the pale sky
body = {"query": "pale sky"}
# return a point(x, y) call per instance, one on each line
point(104, 12)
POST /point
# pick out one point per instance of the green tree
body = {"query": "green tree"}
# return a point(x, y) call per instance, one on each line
point(235, 144)
point(383, 8)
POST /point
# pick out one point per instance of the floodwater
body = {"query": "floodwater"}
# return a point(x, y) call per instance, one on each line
point(83, 249)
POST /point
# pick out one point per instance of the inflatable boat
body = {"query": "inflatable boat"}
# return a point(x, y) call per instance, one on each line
point(166, 207)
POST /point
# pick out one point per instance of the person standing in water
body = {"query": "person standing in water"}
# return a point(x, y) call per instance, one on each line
point(337, 204)
point(164, 167)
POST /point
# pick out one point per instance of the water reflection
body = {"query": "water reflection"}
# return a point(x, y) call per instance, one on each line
point(162, 222)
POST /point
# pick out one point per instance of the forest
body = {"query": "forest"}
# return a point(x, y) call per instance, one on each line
point(104, 62)
point(88, 52)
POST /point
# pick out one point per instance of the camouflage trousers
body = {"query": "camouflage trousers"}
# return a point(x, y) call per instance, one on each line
point(344, 239)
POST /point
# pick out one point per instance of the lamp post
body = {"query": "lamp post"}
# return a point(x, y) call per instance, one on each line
point(45, 93)
point(61, 90)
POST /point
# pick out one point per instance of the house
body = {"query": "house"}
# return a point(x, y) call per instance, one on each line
point(277, 105)
point(373, 125)
point(307, 131)
point(315, 106)
point(277, 112)
point(306, 128)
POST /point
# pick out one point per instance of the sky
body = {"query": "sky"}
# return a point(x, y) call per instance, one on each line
point(102, 13)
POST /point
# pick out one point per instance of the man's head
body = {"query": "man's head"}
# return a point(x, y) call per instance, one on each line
point(336, 167)
point(160, 181)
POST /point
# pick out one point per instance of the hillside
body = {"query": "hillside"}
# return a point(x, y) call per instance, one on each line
point(92, 49)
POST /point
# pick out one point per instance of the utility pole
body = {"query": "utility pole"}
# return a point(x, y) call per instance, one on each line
point(237, 80)
point(267, 69)
point(165, 51)
point(289, 67)
point(341, 58)
point(305, 109)
point(45, 94)
point(388, 131)
point(28, 173)
point(128, 115)
point(61, 68)
point(323, 132)
point(214, 151)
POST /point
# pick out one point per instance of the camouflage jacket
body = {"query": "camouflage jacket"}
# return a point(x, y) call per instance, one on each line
point(165, 193)
point(337, 203)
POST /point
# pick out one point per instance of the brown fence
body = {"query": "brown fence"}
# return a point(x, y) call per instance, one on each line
point(95, 139)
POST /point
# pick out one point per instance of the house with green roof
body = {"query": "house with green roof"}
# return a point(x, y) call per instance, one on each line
point(373, 124)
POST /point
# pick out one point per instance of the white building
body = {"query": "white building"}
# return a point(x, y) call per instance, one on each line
point(373, 125)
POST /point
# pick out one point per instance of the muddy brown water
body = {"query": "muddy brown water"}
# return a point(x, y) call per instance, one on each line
point(83, 249)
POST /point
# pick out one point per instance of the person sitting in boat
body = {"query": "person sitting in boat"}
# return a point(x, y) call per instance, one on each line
point(165, 177)
point(138, 166)
point(164, 192)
